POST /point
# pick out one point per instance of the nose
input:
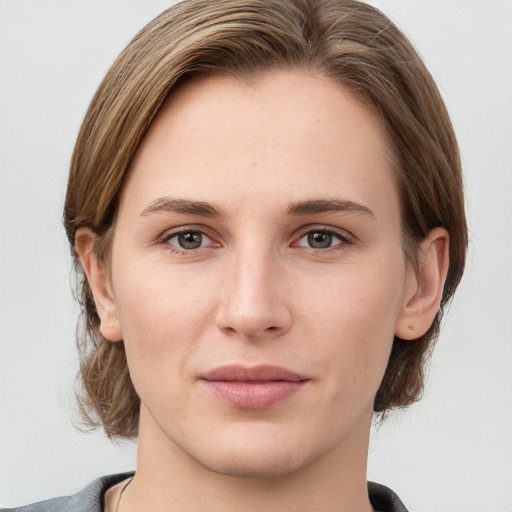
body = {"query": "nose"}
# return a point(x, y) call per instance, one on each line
point(254, 302)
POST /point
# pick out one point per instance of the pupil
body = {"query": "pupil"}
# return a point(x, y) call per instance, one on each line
point(319, 240)
point(190, 240)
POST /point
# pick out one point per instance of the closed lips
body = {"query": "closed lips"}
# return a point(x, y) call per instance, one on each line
point(261, 373)
point(259, 387)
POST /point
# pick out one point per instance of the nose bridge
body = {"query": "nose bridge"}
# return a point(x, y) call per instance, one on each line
point(253, 304)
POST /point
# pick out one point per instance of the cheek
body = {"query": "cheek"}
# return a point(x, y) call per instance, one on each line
point(355, 300)
point(352, 316)
point(160, 294)
point(162, 314)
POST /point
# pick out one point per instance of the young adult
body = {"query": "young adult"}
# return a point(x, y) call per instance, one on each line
point(265, 204)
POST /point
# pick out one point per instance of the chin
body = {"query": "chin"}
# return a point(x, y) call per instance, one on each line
point(259, 454)
point(242, 465)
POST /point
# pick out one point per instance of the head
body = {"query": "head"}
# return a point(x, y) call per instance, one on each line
point(245, 42)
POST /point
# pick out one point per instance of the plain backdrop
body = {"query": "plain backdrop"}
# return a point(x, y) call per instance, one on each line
point(452, 451)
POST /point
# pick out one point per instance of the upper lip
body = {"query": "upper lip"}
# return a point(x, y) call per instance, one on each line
point(260, 373)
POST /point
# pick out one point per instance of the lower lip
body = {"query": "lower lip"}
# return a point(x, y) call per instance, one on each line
point(253, 395)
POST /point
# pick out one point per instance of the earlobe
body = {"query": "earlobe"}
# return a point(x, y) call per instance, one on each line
point(424, 289)
point(97, 275)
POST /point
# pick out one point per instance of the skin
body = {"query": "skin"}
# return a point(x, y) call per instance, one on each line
point(257, 292)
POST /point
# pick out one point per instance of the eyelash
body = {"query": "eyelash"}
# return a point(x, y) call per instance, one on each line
point(167, 237)
point(342, 235)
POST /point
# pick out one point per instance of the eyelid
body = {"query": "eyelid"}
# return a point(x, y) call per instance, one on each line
point(173, 232)
point(343, 234)
point(168, 233)
point(345, 239)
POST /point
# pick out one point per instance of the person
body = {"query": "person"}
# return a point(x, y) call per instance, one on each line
point(265, 207)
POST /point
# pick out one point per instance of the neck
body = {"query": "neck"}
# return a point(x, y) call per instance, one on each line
point(168, 479)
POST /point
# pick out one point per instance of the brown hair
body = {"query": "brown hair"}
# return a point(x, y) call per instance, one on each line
point(345, 40)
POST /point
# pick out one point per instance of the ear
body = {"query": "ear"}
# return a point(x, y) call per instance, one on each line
point(96, 271)
point(424, 286)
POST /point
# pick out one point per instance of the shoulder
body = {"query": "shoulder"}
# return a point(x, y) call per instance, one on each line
point(89, 499)
point(384, 499)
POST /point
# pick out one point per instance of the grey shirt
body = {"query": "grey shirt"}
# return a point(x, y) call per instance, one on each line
point(91, 498)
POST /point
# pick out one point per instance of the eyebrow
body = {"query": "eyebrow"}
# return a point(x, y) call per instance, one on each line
point(166, 204)
point(298, 209)
point(325, 206)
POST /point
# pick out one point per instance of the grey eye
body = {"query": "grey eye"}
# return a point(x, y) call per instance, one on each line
point(322, 239)
point(319, 239)
point(188, 240)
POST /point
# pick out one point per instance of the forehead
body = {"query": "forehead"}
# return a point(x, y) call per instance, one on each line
point(216, 138)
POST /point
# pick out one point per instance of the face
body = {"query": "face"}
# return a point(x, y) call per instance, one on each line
point(257, 273)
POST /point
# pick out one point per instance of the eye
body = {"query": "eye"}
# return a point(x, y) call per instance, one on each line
point(322, 239)
point(188, 240)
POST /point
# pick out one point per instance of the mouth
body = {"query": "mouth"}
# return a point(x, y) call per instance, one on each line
point(257, 387)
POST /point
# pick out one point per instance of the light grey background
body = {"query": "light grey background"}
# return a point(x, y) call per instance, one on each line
point(453, 451)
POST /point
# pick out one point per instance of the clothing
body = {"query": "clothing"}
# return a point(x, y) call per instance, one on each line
point(90, 499)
